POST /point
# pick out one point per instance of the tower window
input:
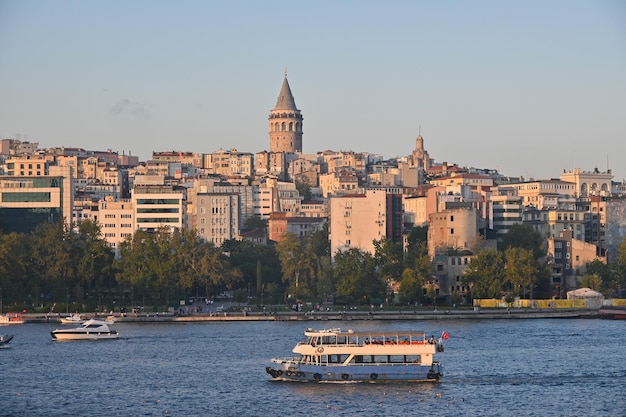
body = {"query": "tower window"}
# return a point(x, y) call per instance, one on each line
point(284, 126)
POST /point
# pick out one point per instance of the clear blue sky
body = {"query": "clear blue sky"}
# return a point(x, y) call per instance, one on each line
point(527, 87)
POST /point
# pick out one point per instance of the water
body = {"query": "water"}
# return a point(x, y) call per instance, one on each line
point(491, 368)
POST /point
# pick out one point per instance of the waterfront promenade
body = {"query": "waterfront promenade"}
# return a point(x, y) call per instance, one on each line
point(341, 315)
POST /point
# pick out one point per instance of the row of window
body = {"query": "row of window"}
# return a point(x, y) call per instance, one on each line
point(28, 197)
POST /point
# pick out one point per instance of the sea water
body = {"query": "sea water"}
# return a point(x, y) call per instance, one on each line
point(535, 367)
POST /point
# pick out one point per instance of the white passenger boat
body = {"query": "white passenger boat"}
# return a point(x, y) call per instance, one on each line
point(89, 330)
point(348, 356)
point(73, 319)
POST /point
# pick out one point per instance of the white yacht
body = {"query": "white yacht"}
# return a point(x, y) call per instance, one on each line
point(89, 330)
point(73, 319)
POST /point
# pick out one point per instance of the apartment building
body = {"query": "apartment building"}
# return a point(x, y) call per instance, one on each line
point(217, 216)
point(505, 210)
point(357, 220)
point(343, 181)
point(117, 220)
point(569, 258)
point(157, 206)
point(42, 194)
point(280, 224)
point(229, 163)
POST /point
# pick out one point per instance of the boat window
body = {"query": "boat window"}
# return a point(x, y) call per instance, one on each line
point(362, 359)
point(396, 358)
point(329, 340)
point(380, 359)
point(341, 340)
point(413, 359)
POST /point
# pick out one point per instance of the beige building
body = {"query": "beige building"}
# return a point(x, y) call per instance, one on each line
point(285, 122)
point(568, 259)
point(277, 196)
point(453, 228)
point(314, 208)
point(357, 220)
point(27, 166)
point(419, 207)
point(343, 181)
point(280, 224)
point(116, 220)
point(589, 183)
point(229, 163)
point(332, 161)
point(545, 193)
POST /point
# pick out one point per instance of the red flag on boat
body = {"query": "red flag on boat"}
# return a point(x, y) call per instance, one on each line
point(445, 336)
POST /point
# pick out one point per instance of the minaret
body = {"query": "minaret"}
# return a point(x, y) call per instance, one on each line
point(285, 122)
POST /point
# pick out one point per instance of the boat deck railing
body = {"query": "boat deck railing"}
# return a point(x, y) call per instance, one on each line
point(351, 364)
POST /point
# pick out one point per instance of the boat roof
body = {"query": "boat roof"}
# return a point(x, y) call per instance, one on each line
point(361, 333)
point(93, 322)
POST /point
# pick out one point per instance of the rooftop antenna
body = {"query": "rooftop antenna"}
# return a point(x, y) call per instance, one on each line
point(419, 131)
point(285, 71)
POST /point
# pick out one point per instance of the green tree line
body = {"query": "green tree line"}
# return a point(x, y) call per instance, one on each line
point(56, 265)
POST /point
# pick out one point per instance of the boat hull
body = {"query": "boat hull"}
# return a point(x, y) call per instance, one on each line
point(69, 335)
point(358, 373)
point(5, 339)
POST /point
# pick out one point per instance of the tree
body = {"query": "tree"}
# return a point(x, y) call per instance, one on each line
point(298, 262)
point(411, 286)
point(357, 279)
point(525, 237)
point(592, 281)
point(53, 254)
point(485, 274)
point(417, 245)
point(304, 189)
point(389, 259)
point(16, 275)
point(95, 261)
point(520, 270)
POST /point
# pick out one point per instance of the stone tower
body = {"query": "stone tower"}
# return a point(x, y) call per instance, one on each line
point(285, 122)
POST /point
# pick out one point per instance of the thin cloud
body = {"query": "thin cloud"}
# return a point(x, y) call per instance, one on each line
point(131, 108)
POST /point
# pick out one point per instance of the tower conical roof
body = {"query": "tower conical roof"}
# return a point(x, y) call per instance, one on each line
point(285, 98)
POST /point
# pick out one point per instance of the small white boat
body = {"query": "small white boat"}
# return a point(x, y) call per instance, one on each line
point(11, 318)
point(89, 330)
point(5, 339)
point(340, 356)
point(73, 319)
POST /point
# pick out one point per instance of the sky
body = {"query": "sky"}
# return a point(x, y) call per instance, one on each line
point(530, 88)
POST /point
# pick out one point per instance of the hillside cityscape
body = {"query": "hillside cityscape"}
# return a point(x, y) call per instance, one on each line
point(259, 217)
